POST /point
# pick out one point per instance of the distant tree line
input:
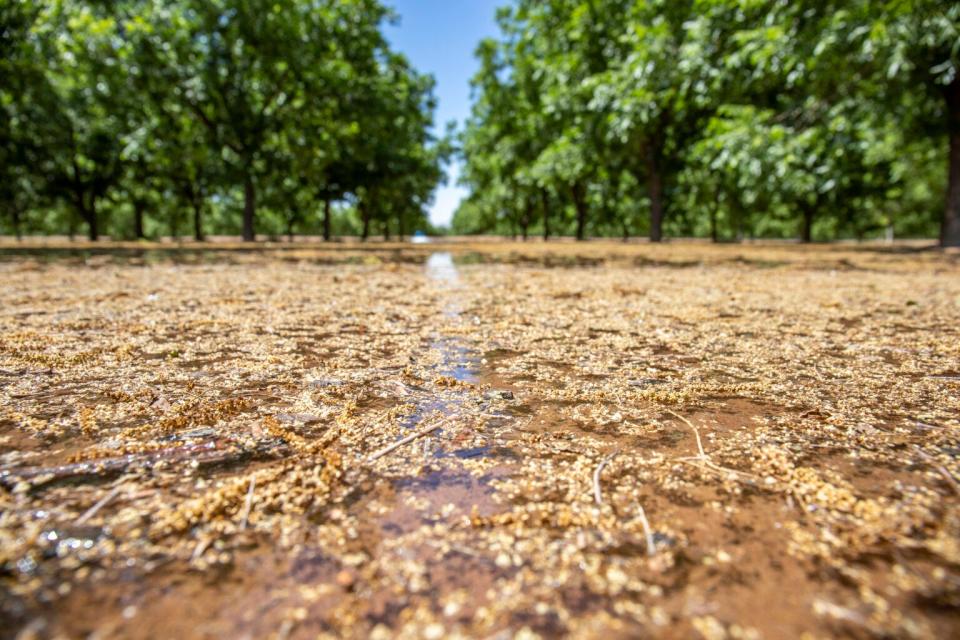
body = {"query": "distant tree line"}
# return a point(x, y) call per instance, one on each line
point(159, 117)
point(719, 118)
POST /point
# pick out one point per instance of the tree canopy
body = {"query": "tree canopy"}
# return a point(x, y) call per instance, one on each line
point(721, 118)
point(728, 118)
point(125, 116)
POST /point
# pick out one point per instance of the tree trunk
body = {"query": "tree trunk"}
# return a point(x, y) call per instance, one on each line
point(16, 224)
point(527, 217)
point(249, 208)
point(655, 189)
point(950, 228)
point(198, 221)
point(365, 216)
point(386, 229)
point(139, 206)
point(400, 230)
point(714, 214)
point(806, 232)
point(326, 218)
point(72, 226)
point(91, 215)
point(545, 200)
point(87, 213)
point(576, 192)
point(736, 211)
point(626, 230)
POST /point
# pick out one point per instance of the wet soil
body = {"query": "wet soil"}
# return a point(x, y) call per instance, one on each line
point(772, 438)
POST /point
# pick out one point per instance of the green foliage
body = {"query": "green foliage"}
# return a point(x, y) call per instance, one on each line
point(148, 117)
point(728, 118)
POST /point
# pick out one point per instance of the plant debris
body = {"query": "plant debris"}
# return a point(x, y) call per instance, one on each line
point(199, 449)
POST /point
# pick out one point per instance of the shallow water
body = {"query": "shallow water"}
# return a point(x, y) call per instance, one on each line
point(456, 358)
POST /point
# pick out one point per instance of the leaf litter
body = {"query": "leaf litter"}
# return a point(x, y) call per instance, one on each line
point(543, 440)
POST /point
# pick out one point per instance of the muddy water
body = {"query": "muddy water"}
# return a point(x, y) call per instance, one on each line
point(433, 482)
point(840, 491)
point(455, 358)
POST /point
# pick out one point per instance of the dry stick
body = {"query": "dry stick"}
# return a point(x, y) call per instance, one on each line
point(407, 387)
point(703, 457)
point(206, 452)
point(399, 443)
point(708, 465)
point(941, 469)
point(647, 533)
point(248, 503)
point(100, 504)
point(696, 432)
point(597, 497)
point(202, 545)
point(285, 628)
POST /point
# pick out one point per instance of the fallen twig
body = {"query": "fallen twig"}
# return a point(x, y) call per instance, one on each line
point(285, 628)
point(202, 545)
point(709, 465)
point(406, 386)
point(597, 497)
point(210, 452)
point(100, 504)
point(399, 443)
point(942, 470)
point(696, 432)
point(703, 461)
point(248, 503)
point(647, 533)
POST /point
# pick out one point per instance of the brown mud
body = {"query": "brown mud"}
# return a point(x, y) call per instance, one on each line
point(189, 448)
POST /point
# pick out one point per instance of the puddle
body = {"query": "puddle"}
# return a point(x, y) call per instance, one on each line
point(454, 357)
point(440, 268)
point(458, 361)
point(439, 496)
point(456, 367)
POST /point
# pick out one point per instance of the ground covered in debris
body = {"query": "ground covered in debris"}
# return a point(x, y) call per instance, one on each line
point(493, 440)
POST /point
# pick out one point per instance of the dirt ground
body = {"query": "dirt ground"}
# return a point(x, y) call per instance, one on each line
point(600, 440)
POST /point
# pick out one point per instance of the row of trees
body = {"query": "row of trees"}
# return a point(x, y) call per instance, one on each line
point(727, 118)
point(138, 116)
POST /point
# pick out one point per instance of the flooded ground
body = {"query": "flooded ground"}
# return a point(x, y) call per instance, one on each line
point(480, 440)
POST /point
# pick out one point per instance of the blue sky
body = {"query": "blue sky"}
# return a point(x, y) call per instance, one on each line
point(439, 36)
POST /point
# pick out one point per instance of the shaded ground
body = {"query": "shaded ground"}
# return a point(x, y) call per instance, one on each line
point(187, 441)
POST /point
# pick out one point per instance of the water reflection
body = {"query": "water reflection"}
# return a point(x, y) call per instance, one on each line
point(452, 355)
point(458, 361)
point(440, 268)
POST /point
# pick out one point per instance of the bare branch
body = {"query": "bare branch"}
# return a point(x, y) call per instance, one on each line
point(399, 443)
point(597, 496)
point(942, 470)
point(696, 432)
point(100, 504)
point(248, 503)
